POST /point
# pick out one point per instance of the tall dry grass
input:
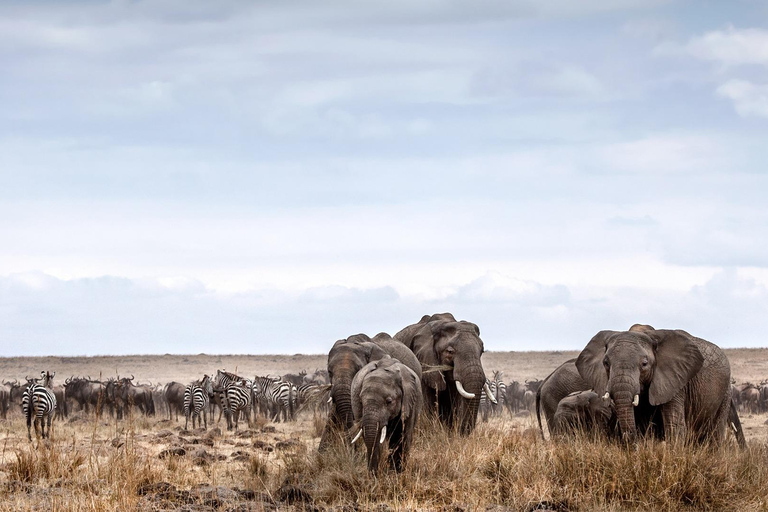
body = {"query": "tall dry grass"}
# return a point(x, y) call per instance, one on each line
point(103, 465)
point(515, 468)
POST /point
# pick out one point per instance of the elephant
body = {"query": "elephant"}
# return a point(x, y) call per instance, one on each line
point(386, 401)
point(564, 380)
point(345, 359)
point(666, 383)
point(582, 411)
point(453, 376)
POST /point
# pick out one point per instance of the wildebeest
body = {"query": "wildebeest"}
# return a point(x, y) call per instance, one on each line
point(127, 395)
point(87, 393)
point(174, 398)
point(5, 402)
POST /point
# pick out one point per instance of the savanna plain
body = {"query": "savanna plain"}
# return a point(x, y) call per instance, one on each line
point(151, 463)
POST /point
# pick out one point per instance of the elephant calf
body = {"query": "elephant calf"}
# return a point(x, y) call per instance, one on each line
point(582, 411)
point(387, 401)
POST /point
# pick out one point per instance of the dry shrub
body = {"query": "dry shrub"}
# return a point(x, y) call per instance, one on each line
point(44, 462)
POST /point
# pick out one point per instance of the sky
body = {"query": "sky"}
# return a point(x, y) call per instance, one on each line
point(186, 176)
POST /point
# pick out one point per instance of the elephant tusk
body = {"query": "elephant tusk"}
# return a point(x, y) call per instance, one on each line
point(383, 434)
point(636, 401)
point(607, 396)
point(357, 437)
point(330, 399)
point(462, 392)
point(733, 426)
point(489, 394)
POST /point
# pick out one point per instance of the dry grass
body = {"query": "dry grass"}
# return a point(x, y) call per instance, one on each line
point(107, 465)
point(104, 466)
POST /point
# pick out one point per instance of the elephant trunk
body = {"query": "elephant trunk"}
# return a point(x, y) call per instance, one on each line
point(372, 435)
point(625, 412)
point(342, 399)
point(472, 378)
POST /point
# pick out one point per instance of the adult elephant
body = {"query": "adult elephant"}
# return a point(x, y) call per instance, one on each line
point(345, 359)
point(453, 376)
point(666, 382)
point(563, 381)
point(386, 400)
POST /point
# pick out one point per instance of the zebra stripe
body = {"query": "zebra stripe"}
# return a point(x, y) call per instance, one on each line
point(237, 397)
point(195, 402)
point(278, 396)
point(40, 402)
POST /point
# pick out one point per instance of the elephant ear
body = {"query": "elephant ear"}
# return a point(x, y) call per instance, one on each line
point(590, 362)
point(423, 347)
point(678, 360)
point(357, 388)
point(411, 392)
point(373, 352)
point(471, 326)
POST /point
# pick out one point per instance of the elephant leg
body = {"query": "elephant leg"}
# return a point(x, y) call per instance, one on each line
point(673, 416)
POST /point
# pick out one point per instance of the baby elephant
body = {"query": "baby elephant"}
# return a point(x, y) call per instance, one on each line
point(583, 411)
point(386, 401)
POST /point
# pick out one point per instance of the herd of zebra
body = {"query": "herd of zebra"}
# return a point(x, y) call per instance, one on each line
point(275, 398)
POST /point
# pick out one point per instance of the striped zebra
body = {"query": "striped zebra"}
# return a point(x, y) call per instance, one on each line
point(277, 396)
point(237, 398)
point(195, 402)
point(220, 383)
point(39, 401)
point(304, 393)
point(499, 390)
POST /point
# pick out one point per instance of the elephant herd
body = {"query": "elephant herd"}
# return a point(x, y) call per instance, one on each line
point(644, 382)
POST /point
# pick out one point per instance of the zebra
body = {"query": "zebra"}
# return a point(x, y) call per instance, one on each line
point(237, 397)
point(499, 389)
point(195, 401)
point(39, 400)
point(304, 393)
point(278, 397)
point(218, 387)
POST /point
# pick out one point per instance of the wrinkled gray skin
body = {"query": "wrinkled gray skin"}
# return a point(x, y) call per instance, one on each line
point(387, 393)
point(559, 384)
point(682, 383)
point(345, 359)
point(582, 411)
point(439, 340)
point(398, 351)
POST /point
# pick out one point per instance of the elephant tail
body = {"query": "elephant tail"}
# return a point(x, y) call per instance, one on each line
point(538, 412)
point(735, 424)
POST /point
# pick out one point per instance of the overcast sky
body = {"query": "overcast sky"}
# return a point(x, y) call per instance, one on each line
point(268, 177)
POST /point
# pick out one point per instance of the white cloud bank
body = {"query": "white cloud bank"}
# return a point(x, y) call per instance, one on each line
point(40, 314)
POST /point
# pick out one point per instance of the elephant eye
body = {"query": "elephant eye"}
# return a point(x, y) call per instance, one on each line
point(389, 399)
point(645, 363)
point(606, 363)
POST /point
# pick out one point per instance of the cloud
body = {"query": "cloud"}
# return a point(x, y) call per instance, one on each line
point(40, 314)
point(729, 47)
point(663, 154)
point(748, 98)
